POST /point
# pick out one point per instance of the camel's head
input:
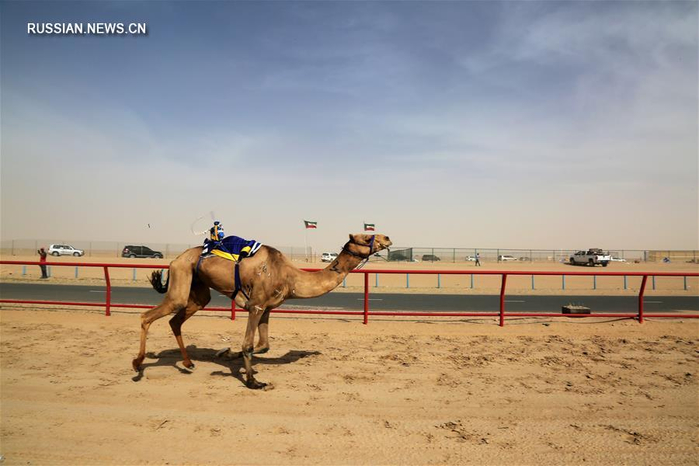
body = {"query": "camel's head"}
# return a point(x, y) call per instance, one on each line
point(374, 243)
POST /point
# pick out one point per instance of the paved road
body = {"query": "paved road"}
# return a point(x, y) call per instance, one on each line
point(378, 301)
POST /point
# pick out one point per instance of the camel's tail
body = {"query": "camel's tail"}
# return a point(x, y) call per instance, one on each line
point(156, 279)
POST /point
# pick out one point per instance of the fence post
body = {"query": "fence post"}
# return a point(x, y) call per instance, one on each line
point(407, 280)
point(108, 311)
point(625, 284)
point(471, 281)
point(366, 298)
point(640, 299)
point(685, 283)
point(532, 282)
point(594, 282)
point(653, 281)
point(377, 280)
point(232, 309)
point(76, 272)
point(439, 281)
point(344, 283)
point(563, 282)
point(134, 275)
point(502, 300)
point(24, 270)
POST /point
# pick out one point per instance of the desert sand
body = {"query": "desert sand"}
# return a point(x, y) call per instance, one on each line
point(393, 392)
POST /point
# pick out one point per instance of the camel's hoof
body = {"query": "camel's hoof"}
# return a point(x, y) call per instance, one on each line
point(261, 350)
point(221, 352)
point(183, 367)
point(136, 364)
point(254, 384)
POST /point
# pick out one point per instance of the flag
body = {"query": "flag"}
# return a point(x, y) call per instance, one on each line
point(369, 227)
point(310, 224)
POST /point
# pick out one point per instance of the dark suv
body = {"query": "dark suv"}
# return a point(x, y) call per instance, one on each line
point(430, 258)
point(140, 251)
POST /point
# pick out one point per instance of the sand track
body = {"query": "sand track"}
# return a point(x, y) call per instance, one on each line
point(391, 392)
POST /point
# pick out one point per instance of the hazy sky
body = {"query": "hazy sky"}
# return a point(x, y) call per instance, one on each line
point(447, 124)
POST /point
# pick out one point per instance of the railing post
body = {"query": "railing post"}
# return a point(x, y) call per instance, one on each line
point(625, 283)
point(108, 311)
point(407, 280)
point(366, 298)
point(654, 281)
point(685, 283)
point(563, 282)
point(640, 299)
point(232, 309)
point(471, 281)
point(594, 282)
point(532, 282)
point(502, 300)
point(439, 281)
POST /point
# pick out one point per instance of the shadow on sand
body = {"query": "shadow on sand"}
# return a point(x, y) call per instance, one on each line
point(173, 357)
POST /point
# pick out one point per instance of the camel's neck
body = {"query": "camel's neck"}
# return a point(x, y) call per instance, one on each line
point(312, 284)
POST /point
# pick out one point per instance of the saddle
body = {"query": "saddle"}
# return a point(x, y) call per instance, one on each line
point(232, 248)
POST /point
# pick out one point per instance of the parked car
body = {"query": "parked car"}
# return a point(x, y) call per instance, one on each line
point(140, 251)
point(470, 258)
point(591, 257)
point(328, 257)
point(430, 258)
point(506, 257)
point(65, 250)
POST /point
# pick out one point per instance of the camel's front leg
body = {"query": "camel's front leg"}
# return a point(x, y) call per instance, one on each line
point(254, 315)
point(263, 330)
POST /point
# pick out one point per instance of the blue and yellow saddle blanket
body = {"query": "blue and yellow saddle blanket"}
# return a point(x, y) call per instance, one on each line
point(232, 248)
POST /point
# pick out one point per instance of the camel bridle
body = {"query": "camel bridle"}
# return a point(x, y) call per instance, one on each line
point(370, 246)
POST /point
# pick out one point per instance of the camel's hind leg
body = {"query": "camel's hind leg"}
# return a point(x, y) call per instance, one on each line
point(199, 297)
point(175, 300)
point(147, 318)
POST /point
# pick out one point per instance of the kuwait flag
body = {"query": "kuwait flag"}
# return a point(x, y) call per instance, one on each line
point(310, 224)
point(369, 227)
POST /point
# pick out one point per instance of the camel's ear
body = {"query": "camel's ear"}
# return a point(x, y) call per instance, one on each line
point(351, 237)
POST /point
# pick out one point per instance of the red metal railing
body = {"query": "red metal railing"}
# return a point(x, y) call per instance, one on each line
point(640, 315)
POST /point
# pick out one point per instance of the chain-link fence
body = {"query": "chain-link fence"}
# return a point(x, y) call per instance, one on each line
point(425, 254)
point(111, 249)
point(106, 249)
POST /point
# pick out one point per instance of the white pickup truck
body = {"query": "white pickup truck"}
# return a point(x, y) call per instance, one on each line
point(591, 257)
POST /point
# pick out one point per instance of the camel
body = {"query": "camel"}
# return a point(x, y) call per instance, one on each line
point(267, 279)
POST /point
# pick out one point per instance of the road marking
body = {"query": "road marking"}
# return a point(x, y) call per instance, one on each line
point(514, 301)
point(96, 291)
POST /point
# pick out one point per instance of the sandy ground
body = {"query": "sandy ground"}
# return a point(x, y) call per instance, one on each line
point(393, 392)
point(402, 283)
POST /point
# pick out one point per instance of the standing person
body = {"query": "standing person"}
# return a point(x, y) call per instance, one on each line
point(478, 260)
point(42, 262)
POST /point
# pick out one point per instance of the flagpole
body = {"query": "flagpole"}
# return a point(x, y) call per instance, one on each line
point(305, 250)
